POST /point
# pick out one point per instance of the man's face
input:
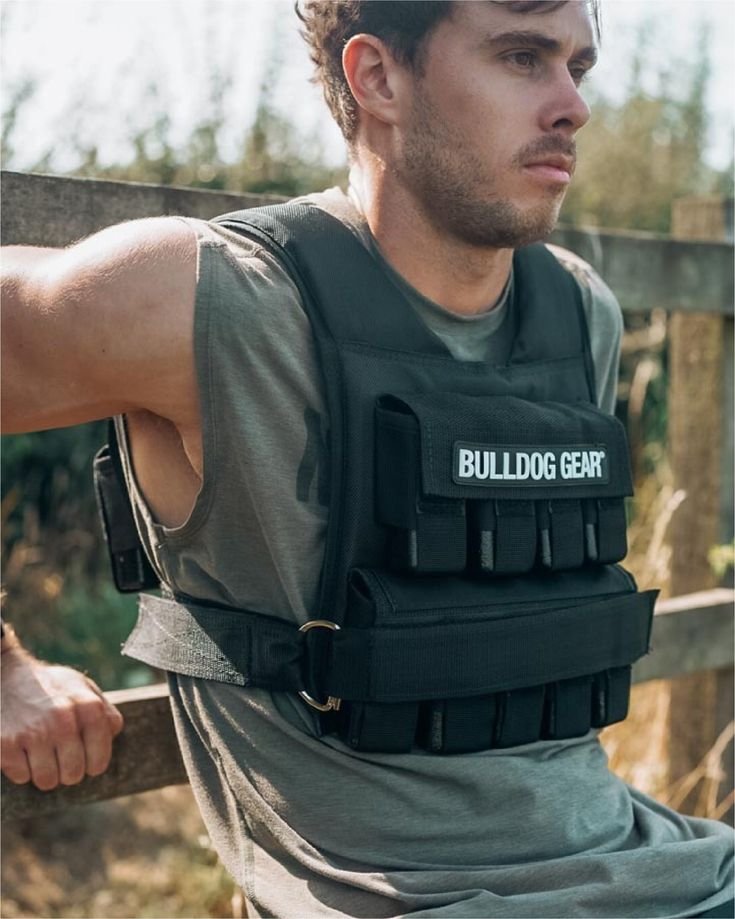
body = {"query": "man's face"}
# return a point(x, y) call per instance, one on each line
point(487, 149)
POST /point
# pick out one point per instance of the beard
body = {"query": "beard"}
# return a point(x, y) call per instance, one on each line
point(450, 183)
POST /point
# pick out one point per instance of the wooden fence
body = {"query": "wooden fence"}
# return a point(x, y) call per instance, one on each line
point(693, 633)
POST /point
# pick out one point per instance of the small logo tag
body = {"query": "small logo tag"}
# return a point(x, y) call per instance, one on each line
point(508, 465)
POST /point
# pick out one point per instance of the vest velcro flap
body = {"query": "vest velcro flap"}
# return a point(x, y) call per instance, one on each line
point(499, 484)
point(217, 643)
point(452, 638)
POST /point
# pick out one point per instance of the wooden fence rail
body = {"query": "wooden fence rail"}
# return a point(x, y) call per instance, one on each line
point(645, 270)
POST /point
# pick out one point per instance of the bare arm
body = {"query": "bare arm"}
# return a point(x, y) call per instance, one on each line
point(100, 328)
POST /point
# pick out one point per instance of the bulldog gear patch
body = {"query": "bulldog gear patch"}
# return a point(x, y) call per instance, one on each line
point(504, 464)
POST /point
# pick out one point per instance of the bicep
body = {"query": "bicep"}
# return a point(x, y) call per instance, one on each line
point(101, 328)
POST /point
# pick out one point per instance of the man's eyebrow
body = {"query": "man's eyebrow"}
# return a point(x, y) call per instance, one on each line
point(531, 39)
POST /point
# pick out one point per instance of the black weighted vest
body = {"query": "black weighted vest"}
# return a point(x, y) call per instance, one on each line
point(470, 595)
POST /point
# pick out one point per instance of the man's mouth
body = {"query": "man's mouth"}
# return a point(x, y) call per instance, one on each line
point(552, 168)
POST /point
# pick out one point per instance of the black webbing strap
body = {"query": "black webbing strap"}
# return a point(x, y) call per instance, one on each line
point(334, 270)
point(452, 660)
point(217, 643)
point(394, 663)
point(131, 568)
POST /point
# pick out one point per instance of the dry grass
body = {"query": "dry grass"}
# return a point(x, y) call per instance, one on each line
point(639, 747)
point(146, 856)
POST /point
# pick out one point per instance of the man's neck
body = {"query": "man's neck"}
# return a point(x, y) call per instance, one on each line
point(462, 278)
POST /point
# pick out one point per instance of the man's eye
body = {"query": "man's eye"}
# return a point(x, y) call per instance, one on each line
point(524, 59)
point(579, 74)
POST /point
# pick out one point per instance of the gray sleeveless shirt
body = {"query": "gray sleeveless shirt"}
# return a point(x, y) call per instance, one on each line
point(307, 826)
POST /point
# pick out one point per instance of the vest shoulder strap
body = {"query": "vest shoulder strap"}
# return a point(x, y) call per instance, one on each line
point(332, 269)
point(550, 311)
point(349, 297)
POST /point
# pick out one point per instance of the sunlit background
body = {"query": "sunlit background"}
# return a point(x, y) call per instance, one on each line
point(216, 94)
point(95, 74)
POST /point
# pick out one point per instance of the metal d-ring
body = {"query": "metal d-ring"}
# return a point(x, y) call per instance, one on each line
point(332, 703)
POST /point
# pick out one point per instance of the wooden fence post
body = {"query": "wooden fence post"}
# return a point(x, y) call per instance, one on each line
point(701, 454)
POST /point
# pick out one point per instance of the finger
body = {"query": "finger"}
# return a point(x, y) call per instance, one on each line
point(114, 716)
point(71, 759)
point(15, 766)
point(43, 765)
point(94, 726)
point(97, 740)
point(114, 719)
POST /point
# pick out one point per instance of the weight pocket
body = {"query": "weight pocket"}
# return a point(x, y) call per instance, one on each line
point(499, 485)
point(427, 533)
point(458, 665)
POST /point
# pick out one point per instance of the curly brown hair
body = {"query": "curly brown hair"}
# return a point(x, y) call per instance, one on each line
point(403, 25)
point(328, 26)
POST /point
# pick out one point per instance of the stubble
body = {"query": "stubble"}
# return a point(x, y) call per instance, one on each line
point(459, 194)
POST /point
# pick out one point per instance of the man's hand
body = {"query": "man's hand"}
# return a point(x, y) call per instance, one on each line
point(57, 726)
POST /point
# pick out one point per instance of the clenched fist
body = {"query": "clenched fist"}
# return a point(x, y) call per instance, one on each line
point(57, 726)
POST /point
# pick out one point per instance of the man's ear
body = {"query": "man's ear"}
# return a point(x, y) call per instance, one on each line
point(374, 76)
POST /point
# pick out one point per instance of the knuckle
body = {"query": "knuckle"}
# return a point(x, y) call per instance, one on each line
point(10, 747)
point(36, 735)
point(91, 710)
point(64, 723)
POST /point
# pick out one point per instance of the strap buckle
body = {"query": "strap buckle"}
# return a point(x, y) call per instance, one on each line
point(332, 703)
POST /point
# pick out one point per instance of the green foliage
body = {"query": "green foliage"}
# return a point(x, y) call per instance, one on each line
point(722, 559)
point(637, 157)
point(48, 464)
point(18, 96)
point(273, 157)
point(91, 621)
point(60, 594)
point(634, 159)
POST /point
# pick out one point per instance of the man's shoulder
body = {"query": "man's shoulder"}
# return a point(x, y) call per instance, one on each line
point(247, 249)
point(601, 304)
point(338, 203)
point(604, 323)
point(237, 265)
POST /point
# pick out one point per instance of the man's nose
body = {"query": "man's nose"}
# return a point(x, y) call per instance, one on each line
point(564, 109)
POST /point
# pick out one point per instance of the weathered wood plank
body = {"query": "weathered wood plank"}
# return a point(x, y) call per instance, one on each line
point(701, 704)
point(644, 270)
point(690, 633)
point(42, 210)
point(647, 271)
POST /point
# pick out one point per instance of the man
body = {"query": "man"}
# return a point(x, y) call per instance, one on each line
point(460, 120)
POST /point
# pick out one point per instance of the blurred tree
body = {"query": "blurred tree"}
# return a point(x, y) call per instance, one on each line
point(55, 568)
point(635, 158)
point(18, 96)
